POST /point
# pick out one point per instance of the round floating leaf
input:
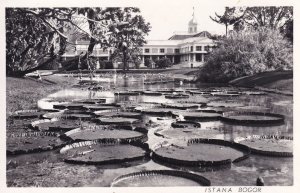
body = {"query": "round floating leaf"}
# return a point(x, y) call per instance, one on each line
point(254, 93)
point(27, 114)
point(100, 107)
point(246, 118)
point(200, 152)
point(96, 132)
point(180, 106)
point(224, 94)
point(254, 108)
point(160, 178)
point(225, 104)
point(150, 93)
point(268, 145)
point(198, 115)
point(188, 133)
point(30, 142)
point(90, 101)
point(184, 124)
point(199, 93)
point(177, 96)
point(129, 93)
point(116, 120)
point(92, 152)
point(56, 124)
point(70, 106)
point(118, 114)
point(157, 111)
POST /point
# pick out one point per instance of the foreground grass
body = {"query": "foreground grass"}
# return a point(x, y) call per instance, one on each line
point(23, 93)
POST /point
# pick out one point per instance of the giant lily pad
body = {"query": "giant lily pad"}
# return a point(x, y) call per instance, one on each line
point(151, 93)
point(225, 104)
point(199, 93)
point(29, 142)
point(56, 124)
point(102, 133)
point(116, 120)
point(118, 114)
point(177, 96)
point(129, 93)
point(253, 108)
point(157, 111)
point(254, 93)
point(180, 106)
point(188, 133)
point(92, 152)
point(100, 107)
point(160, 178)
point(70, 106)
point(91, 101)
point(184, 124)
point(246, 118)
point(268, 145)
point(27, 114)
point(199, 115)
point(69, 114)
point(200, 152)
point(224, 94)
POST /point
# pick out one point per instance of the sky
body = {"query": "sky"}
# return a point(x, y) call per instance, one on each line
point(165, 20)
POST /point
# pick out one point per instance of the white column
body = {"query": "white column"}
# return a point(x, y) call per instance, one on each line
point(202, 57)
point(173, 59)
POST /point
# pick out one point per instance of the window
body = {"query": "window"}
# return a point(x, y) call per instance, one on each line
point(198, 48)
point(206, 48)
point(147, 50)
point(162, 50)
point(176, 51)
point(192, 48)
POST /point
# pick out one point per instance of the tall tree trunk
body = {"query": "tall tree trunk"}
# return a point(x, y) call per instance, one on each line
point(124, 62)
point(226, 26)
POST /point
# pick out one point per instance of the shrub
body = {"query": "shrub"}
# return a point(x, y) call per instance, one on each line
point(148, 62)
point(163, 63)
point(106, 64)
point(247, 53)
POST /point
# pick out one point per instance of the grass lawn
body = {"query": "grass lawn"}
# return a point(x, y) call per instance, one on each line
point(23, 93)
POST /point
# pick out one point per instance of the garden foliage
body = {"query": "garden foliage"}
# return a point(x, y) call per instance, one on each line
point(246, 53)
point(163, 63)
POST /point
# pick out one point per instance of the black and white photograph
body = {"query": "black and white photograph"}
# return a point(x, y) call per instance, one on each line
point(165, 94)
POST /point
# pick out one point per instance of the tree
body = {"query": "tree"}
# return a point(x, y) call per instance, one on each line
point(37, 36)
point(272, 17)
point(129, 35)
point(31, 42)
point(228, 18)
point(246, 53)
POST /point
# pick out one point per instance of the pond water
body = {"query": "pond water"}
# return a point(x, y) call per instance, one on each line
point(48, 168)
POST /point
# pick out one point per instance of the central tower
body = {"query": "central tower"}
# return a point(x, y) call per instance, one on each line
point(192, 26)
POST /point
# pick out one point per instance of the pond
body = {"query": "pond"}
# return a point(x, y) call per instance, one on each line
point(49, 169)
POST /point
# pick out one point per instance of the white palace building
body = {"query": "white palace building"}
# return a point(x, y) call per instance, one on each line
point(183, 48)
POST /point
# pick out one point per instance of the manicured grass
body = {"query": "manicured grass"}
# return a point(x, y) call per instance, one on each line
point(23, 93)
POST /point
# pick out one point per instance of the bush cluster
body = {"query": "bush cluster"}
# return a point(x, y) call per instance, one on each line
point(163, 63)
point(246, 53)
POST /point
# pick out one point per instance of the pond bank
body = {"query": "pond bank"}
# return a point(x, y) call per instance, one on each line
point(22, 93)
point(280, 82)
